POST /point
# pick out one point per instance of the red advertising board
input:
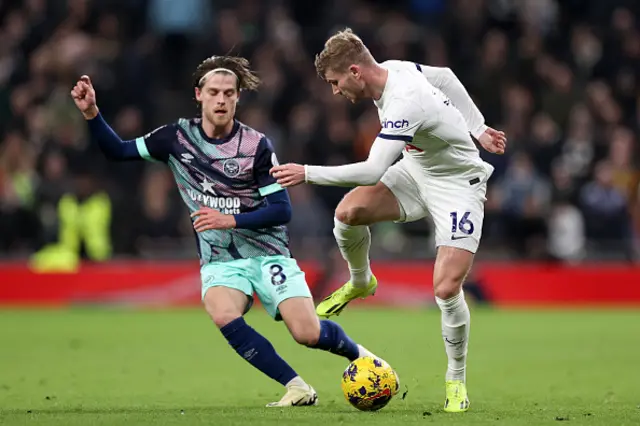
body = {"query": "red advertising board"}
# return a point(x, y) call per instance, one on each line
point(406, 283)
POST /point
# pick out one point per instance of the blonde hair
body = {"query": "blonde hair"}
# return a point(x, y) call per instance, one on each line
point(341, 50)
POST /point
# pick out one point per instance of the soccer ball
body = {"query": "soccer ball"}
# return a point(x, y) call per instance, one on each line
point(369, 383)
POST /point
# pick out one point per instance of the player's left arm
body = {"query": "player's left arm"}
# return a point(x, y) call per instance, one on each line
point(445, 79)
point(278, 209)
point(278, 205)
point(403, 118)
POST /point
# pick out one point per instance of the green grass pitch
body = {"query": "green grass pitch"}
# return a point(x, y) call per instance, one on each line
point(96, 366)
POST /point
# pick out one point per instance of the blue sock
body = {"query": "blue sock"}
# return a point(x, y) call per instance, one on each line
point(335, 340)
point(257, 350)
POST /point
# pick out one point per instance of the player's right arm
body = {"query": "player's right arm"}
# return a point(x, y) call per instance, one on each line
point(153, 146)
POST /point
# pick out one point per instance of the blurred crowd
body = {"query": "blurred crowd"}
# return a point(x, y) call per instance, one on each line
point(561, 78)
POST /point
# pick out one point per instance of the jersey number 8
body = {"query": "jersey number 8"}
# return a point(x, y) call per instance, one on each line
point(277, 275)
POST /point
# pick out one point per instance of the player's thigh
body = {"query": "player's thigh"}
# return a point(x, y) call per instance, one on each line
point(226, 291)
point(457, 210)
point(366, 205)
point(404, 182)
point(276, 279)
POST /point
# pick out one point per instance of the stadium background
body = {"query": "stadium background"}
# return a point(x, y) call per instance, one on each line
point(561, 78)
point(562, 227)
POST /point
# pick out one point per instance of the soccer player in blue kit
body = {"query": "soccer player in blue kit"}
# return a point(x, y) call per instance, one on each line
point(239, 212)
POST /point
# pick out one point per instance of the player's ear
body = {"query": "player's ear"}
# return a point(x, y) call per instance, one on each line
point(354, 70)
point(198, 94)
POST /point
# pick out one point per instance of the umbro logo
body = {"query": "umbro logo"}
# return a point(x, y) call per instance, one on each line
point(186, 158)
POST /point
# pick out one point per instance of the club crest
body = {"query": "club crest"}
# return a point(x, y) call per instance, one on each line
point(231, 168)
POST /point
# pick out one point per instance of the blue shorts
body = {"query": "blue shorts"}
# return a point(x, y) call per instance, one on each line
point(273, 278)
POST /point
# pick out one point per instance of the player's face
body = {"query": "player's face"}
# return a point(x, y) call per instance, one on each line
point(218, 98)
point(348, 84)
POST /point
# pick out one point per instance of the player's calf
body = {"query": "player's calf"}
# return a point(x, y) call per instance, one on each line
point(226, 306)
point(360, 207)
point(451, 268)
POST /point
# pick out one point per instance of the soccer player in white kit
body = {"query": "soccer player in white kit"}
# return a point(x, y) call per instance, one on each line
point(427, 116)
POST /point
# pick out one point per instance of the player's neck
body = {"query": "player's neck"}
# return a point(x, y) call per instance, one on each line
point(377, 82)
point(217, 132)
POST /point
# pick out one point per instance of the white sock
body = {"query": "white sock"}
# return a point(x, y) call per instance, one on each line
point(297, 382)
point(455, 333)
point(354, 243)
point(362, 351)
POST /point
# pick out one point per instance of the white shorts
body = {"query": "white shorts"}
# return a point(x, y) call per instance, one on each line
point(456, 206)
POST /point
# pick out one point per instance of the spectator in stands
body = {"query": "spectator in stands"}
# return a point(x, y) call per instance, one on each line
point(524, 198)
point(18, 220)
point(605, 210)
point(561, 78)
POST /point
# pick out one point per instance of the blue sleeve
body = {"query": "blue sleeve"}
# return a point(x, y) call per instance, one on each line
point(265, 159)
point(277, 212)
point(157, 145)
point(153, 146)
point(110, 143)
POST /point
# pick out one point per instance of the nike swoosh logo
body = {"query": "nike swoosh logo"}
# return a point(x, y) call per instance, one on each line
point(453, 237)
point(453, 343)
point(298, 401)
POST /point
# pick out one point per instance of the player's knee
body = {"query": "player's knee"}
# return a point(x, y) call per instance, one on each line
point(352, 215)
point(446, 291)
point(448, 286)
point(306, 333)
point(222, 317)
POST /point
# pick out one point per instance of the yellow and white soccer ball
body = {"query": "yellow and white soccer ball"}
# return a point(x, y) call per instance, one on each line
point(369, 383)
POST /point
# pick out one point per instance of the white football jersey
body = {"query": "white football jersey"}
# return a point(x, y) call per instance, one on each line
point(436, 134)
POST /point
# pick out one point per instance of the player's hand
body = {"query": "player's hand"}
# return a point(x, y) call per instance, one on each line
point(84, 95)
point(288, 174)
point(493, 141)
point(207, 218)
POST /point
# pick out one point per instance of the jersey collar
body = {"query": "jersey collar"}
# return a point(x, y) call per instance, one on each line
point(380, 102)
point(234, 130)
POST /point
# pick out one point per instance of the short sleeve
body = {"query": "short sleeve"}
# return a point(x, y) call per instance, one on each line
point(156, 145)
point(401, 120)
point(265, 159)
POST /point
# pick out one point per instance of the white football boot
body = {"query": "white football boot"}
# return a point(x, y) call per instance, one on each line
point(297, 396)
